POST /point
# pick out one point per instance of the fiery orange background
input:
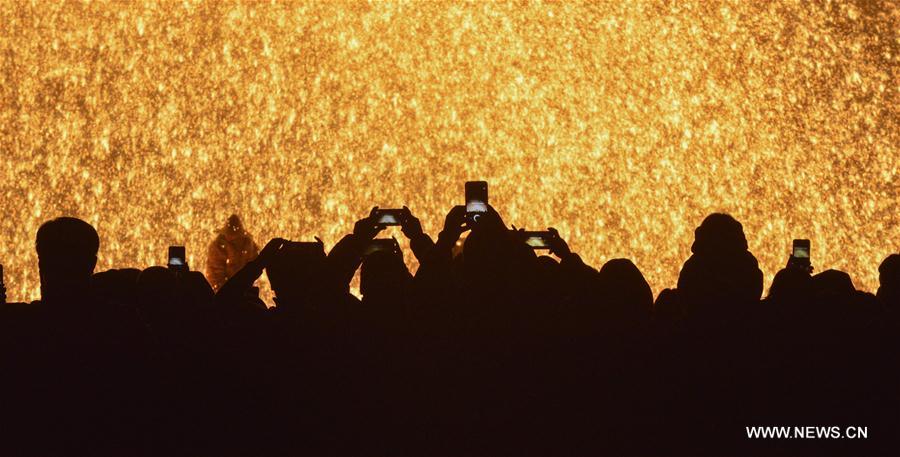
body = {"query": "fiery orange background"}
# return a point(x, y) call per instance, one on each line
point(621, 123)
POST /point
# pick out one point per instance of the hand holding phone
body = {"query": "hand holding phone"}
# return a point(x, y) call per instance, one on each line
point(800, 256)
point(410, 225)
point(269, 251)
point(476, 199)
point(558, 245)
point(455, 223)
point(367, 227)
point(177, 258)
point(537, 240)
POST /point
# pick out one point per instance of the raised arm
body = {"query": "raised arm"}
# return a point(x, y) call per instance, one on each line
point(233, 291)
point(435, 265)
point(420, 243)
point(346, 256)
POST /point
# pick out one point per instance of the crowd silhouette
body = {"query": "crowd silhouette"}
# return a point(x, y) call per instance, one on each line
point(486, 350)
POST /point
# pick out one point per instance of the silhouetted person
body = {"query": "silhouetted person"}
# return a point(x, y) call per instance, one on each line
point(721, 271)
point(229, 252)
point(87, 356)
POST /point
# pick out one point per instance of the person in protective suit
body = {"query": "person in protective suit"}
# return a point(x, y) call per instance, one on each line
point(229, 252)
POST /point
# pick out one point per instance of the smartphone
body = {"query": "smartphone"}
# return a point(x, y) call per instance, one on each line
point(538, 240)
point(177, 258)
point(801, 250)
point(476, 199)
point(382, 245)
point(389, 216)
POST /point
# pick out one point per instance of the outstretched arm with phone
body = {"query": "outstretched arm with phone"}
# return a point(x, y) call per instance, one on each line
point(575, 269)
point(234, 290)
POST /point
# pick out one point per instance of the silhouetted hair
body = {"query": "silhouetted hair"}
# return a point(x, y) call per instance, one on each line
point(833, 284)
point(721, 268)
point(69, 243)
point(625, 290)
point(719, 232)
point(383, 271)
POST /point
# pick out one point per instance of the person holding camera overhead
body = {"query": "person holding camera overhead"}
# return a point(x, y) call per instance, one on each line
point(232, 248)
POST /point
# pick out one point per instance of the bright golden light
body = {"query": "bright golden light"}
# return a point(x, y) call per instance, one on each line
point(620, 123)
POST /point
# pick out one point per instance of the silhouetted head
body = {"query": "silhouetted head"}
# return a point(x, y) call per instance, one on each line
point(889, 281)
point(833, 285)
point(195, 289)
point(384, 276)
point(299, 274)
point(156, 293)
point(67, 254)
point(492, 259)
point(719, 233)
point(790, 285)
point(116, 286)
point(624, 291)
point(721, 269)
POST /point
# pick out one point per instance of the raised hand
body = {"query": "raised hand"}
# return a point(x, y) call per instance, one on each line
point(558, 246)
point(367, 228)
point(455, 223)
point(409, 224)
point(269, 252)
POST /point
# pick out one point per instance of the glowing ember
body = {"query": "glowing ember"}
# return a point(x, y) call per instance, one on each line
point(621, 123)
